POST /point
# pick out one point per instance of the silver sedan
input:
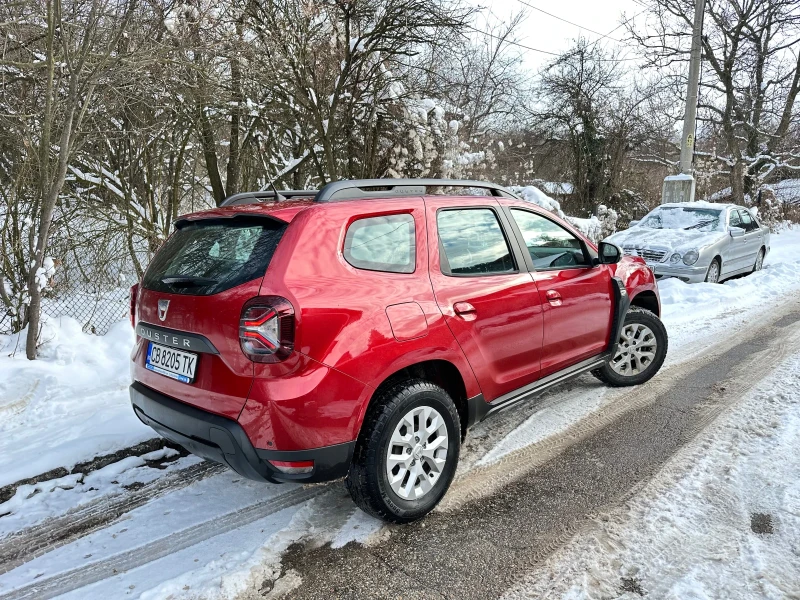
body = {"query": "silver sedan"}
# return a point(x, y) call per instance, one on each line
point(697, 241)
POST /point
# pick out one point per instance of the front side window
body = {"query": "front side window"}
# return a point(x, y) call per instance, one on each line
point(473, 243)
point(550, 245)
point(736, 220)
point(385, 243)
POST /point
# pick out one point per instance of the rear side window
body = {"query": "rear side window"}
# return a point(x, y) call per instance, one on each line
point(473, 243)
point(385, 243)
point(210, 256)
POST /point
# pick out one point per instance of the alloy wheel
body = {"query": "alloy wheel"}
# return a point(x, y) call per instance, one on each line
point(636, 350)
point(713, 273)
point(417, 453)
point(759, 261)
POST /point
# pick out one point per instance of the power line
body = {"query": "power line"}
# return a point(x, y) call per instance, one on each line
point(602, 35)
point(512, 42)
point(519, 45)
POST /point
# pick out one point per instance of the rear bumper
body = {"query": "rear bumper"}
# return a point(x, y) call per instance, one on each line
point(224, 441)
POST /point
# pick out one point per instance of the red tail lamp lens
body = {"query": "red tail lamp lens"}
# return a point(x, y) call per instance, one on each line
point(266, 329)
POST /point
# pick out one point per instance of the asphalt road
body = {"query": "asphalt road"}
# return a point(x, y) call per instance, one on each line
point(498, 523)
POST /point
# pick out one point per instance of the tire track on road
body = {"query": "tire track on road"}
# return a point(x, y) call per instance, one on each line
point(79, 577)
point(26, 544)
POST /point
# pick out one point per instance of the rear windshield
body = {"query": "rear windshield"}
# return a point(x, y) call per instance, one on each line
point(211, 256)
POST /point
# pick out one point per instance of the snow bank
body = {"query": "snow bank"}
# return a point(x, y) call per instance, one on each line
point(781, 275)
point(68, 406)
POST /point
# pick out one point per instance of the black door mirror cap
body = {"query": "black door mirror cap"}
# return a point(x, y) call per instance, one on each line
point(609, 253)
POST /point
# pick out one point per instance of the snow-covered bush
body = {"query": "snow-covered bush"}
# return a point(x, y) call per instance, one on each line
point(536, 196)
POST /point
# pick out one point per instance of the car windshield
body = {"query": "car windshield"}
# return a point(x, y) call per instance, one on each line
point(684, 217)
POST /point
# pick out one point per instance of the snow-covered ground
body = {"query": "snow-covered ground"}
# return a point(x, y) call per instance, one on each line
point(70, 405)
point(73, 405)
point(720, 520)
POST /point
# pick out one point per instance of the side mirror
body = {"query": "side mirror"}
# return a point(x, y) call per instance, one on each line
point(634, 223)
point(609, 253)
point(736, 231)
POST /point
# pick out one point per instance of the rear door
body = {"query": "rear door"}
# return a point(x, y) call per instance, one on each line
point(482, 287)
point(752, 238)
point(197, 284)
point(576, 296)
point(735, 255)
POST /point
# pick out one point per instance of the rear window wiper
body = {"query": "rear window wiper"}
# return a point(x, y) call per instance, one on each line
point(187, 281)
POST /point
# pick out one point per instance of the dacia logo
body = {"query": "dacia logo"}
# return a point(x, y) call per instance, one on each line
point(163, 307)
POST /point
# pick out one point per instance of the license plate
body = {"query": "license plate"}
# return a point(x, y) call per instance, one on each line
point(171, 362)
point(651, 267)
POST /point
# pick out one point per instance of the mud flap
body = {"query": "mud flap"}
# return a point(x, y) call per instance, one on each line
point(622, 302)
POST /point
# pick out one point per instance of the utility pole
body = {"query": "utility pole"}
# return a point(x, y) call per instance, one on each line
point(680, 188)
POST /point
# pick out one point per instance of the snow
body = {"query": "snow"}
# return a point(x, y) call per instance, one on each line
point(679, 177)
point(70, 405)
point(688, 533)
point(787, 190)
point(671, 240)
point(557, 188)
point(536, 196)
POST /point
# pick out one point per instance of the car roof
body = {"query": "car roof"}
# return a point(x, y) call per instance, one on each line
point(699, 204)
point(287, 210)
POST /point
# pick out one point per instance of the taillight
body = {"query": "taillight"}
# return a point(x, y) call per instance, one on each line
point(266, 329)
point(134, 293)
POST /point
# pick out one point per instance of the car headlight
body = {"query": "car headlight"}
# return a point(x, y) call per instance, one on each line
point(675, 258)
point(691, 257)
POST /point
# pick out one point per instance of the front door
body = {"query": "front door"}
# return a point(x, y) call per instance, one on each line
point(488, 298)
point(577, 296)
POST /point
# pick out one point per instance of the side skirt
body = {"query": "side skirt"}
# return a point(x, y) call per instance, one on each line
point(479, 409)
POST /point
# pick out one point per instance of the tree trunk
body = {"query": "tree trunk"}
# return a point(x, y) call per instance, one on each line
point(737, 183)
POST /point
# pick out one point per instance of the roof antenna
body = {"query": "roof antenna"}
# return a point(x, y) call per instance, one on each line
point(278, 196)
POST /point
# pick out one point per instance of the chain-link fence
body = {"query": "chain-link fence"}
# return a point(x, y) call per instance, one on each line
point(96, 312)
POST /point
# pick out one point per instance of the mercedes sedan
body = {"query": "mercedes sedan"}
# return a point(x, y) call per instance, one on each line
point(697, 241)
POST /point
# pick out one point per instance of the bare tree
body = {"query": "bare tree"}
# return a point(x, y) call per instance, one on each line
point(751, 79)
point(588, 100)
point(65, 50)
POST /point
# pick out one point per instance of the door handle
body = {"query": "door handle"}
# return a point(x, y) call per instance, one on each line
point(464, 309)
point(553, 297)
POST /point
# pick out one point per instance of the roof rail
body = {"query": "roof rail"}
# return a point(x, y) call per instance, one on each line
point(264, 196)
point(359, 188)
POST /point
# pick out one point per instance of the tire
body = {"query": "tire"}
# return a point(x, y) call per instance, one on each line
point(759, 264)
point(641, 321)
point(714, 271)
point(399, 500)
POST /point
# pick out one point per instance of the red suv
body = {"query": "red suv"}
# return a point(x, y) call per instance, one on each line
point(359, 331)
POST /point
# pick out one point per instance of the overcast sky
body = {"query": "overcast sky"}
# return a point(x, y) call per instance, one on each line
point(548, 33)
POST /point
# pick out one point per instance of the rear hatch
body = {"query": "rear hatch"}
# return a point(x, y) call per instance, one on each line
point(197, 284)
